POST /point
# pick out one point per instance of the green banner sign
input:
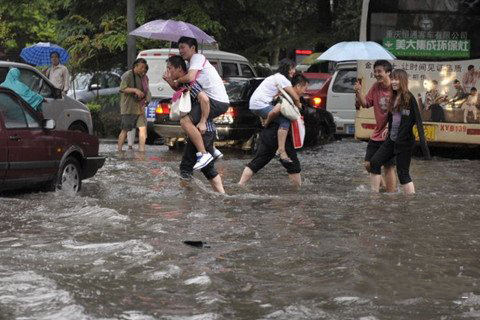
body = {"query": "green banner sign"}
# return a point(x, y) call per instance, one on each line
point(428, 48)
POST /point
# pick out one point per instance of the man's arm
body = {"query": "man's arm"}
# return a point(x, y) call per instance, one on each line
point(294, 95)
point(189, 77)
point(361, 99)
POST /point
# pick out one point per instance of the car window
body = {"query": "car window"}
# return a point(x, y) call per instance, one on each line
point(344, 81)
point(113, 81)
point(35, 82)
point(315, 84)
point(235, 88)
point(81, 81)
point(12, 112)
point(246, 70)
point(3, 73)
point(31, 121)
point(229, 69)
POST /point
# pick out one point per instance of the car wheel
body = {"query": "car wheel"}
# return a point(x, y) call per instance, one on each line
point(322, 135)
point(78, 126)
point(69, 178)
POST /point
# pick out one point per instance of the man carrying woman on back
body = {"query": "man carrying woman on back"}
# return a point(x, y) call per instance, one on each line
point(209, 98)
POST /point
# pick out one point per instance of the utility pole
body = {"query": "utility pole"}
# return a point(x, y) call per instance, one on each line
point(131, 42)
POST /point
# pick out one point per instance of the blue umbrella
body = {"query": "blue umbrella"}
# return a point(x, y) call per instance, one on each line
point(39, 54)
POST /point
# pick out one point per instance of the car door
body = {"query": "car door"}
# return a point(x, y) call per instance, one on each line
point(33, 153)
point(341, 99)
point(53, 106)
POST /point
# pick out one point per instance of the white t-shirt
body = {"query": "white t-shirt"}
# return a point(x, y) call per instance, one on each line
point(263, 95)
point(209, 78)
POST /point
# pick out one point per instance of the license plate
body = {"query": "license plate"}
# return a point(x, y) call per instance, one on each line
point(429, 132)
point(150, 110)
point(349, 129)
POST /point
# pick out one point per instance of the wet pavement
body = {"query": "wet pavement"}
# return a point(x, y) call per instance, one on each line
point(331, 250)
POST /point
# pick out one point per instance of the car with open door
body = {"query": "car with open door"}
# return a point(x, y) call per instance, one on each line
point(33, 154)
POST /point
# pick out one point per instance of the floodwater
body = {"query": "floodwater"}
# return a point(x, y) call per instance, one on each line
point(331, 250)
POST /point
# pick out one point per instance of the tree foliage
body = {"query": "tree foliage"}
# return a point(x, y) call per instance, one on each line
point(94, 31)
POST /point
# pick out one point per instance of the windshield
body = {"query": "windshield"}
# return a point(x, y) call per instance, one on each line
point(426, 30)
point(81, 81)
point(235, 88)
point(315, 84)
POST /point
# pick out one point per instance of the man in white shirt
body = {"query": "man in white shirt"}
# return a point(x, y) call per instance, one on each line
point(204, 78)
point(58, 73)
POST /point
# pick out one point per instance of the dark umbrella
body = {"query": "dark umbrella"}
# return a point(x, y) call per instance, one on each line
point(39, 54)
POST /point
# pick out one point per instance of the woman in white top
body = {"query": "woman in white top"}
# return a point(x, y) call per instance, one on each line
point(262, 102)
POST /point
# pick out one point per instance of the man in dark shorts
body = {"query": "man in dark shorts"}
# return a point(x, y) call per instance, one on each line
point(176, 68)
point(131, 110)
point(378, 97)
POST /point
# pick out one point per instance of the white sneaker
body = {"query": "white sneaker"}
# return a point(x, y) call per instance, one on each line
point(202, 160)
point(217, 154)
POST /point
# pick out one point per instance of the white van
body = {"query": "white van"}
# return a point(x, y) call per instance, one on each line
point(341, 97)
point(228, 65)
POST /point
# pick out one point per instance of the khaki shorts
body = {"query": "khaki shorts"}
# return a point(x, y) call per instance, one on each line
point(130, 121)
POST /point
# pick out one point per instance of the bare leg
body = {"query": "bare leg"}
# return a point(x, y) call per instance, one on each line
point(205, 107)
point(408, 188)
point(246, 176)
point(375, 180)
point(121, 140)
point(131, 137)
point(142, 137)
point(295, 179)
point(390, 178)
point(282, 139)
point(217, 184)
point(272, 115)
point(193, 133)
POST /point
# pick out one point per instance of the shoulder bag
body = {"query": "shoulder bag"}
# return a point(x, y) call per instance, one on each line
point(287, 107)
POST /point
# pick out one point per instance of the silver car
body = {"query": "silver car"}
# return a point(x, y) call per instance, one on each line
point(87, 86)
point(67, 113)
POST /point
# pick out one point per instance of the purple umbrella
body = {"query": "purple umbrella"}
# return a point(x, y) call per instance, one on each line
point(171, 30)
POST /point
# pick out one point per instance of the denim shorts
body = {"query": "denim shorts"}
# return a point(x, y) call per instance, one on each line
point(283, 122)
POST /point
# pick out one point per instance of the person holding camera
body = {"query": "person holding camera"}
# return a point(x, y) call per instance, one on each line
point(133, 95)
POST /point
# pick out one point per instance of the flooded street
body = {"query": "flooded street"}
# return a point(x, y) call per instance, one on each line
point(330, 250)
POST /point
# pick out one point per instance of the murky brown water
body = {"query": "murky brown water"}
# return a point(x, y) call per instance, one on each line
point(329, 251)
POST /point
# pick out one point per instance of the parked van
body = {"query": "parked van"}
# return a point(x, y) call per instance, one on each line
point(228, 65)
point(341, 97)
point(68, 113)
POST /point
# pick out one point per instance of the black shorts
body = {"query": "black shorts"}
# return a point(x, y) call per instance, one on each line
point(267, 148)
point(216, 108)
point(131, 121)
point(372, 148)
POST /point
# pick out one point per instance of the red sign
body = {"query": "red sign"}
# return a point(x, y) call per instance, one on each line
point(303, 51)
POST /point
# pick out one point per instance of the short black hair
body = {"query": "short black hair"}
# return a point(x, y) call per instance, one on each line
point(177, 62)
point(456, 81)
point(299, 79)
point(387, 66)
point(470, 67)
point(189, 41)
point(473, 89)
point(54, 52)
point(138, 61)
point(284, 67)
